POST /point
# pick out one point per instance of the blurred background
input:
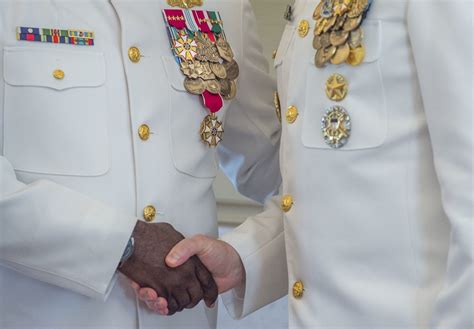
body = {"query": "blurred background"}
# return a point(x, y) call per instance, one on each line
point(233, 209)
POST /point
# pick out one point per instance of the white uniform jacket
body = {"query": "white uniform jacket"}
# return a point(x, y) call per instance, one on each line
point(75, 174)
point(380, 234)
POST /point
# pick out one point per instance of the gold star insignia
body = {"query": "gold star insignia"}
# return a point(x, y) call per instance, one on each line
point(336, 87)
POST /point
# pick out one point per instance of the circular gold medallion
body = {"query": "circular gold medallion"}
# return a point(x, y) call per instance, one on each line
point(356, 56)
point(232, 69)
point(321, 41)
point(323, 55)
point(336, 87)
point(213, 86)
point(228, 89)
point(194, 86)
point(318, 10)
point(330, 23)
point(352, 23)
point(338, 38)
point(341, 55)
point(356, 37)
point(219, 70)
point(224, 49)
point(336, 127)
point(358, 7)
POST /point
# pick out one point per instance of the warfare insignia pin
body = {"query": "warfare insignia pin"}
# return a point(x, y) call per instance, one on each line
point(336, 127)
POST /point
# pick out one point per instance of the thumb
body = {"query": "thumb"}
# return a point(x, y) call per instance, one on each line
point(184, 250)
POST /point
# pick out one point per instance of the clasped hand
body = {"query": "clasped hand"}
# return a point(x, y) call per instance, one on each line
point(181, 286)
point(173, 273)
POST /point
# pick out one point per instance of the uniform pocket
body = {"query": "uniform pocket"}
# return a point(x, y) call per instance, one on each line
point(190, 155)
point(52, 124)
point(365, 101)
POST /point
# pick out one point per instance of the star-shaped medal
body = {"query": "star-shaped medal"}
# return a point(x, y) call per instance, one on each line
point(336, 87)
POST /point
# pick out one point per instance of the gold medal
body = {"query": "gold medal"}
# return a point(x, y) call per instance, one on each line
point(341, 54)
point(358, 7)
point(336, 87)
point(228, 89)
point(317, 11)
point(341, 7)
point(340, 22)
point(321, 41)
point(207, 72)
point(352, 23)
point(213, 86)
point(232, 69)
point(224, 49)
point(323, 55)
point(219, 70)
point(330, 24)
point(211, 130)
point(338, 38)
point(356, 37)
point(356, 56)
point(206, 50)
point(194, 86)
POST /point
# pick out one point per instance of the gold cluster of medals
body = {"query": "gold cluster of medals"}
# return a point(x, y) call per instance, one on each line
point(213, 68)
point(337, 34)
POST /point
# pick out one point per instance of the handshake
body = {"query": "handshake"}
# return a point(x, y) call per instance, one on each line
point(171, 273)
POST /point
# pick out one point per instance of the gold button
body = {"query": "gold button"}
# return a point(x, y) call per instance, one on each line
point(274, 54)
point(291, 114)
point(276, 101)
point(303, 28)
point(298, 289)
point(144, 132)
point(336, 87)
point(134, 54)
point(149, 213)
point(286, 203)
point(58, 74)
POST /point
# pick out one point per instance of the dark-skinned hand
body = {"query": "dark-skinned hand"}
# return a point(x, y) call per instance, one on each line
point(184, 286)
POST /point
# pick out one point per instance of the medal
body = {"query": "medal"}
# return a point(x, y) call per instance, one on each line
point(336, 127)
point(211, 130)
point(206, 60)
point(338, 35)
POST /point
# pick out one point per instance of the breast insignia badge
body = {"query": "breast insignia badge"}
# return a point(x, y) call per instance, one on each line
point(206, 59)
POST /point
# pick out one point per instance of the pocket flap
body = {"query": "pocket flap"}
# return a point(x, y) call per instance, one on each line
point(26, 66)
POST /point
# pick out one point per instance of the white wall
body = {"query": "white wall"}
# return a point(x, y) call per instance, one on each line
point(233, 208)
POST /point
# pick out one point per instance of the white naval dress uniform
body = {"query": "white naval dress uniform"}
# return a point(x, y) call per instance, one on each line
point(380, 232)
point(75, 173)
